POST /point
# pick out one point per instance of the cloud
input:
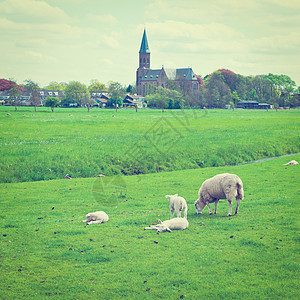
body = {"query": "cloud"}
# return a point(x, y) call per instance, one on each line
point(277, 44)
point(32, 11)
point(174, 36)
point(104, 19)
point(10, 28)
point(182, 30)
point(31, 43)
point(198, 11)
point(36, 57)
point(111, 42)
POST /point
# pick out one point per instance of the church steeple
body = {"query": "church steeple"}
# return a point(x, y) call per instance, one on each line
point(144, 53)
point(144, 45)
point(144, 63)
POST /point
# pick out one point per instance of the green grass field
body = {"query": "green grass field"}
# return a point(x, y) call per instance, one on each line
point(45, 145)
point(47, 252)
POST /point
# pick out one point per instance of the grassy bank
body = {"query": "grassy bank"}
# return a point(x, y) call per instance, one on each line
point(45, 145)
point(47, 252)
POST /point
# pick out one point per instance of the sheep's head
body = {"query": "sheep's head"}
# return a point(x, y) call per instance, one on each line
point(162, 228)
point(199, 206)
point(171, 196)
point(88, 217)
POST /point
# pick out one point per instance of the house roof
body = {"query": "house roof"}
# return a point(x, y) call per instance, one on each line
point(185, 74)
point(144, 45)
point(248, 102)
point(132, 97)
point(151, 75)
point(102, 100)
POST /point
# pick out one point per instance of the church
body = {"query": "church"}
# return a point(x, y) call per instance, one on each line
point(147, 79)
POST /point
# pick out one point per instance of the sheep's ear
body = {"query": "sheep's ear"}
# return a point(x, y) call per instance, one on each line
point(167, 196)
point(168, 229)
point(176, 195)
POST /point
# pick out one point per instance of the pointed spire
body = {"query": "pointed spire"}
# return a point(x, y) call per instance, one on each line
point(144, 45)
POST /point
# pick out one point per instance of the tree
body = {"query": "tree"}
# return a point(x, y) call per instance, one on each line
point(116, 92)
point(96, 86)
point(14, 95)
point(165, 98)
point(76, 92)
point(51, 102)
point(129, 88)
point(33, 88)
point(215, 91)
point(284, 85)
point(235, 97)
point(55, 86)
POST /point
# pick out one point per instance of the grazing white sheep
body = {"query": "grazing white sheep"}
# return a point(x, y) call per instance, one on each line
point(177, 204)
point(222, 186)
point(169, 225)
point(291, 163)
point(96, 217)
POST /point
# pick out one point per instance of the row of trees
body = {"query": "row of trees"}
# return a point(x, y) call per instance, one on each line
point(74, 92)
point(225, 87)
point(94, 86)
point(218, 89)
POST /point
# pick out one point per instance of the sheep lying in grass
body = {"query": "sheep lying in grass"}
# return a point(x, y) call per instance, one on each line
point(96, 217)
point(291, 163)
point(222, 186)
point(177, 204)
point(169, 225)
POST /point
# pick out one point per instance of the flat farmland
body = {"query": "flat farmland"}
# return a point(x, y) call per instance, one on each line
point(43, 145)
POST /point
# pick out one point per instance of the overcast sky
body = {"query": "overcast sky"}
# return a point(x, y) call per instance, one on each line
point(65, 40)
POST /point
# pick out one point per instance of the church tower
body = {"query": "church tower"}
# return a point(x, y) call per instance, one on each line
point(144, 62)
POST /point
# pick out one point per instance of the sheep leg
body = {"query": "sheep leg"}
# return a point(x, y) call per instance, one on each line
point(237, 205)
point(216, 204)
point(210, 211)
point(230, 208)
point(151, 228)
point(178, 213)
point(172, 212)
point(185, 213)
point(94, 222)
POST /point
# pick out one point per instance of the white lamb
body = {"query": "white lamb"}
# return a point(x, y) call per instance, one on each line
point(96, 217)
point(291, 163)
point(177, 204)
point(169, 225)
point(222, 186)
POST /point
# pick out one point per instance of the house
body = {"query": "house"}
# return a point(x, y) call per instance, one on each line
point(151, 80)
point(147, 79)
point(101, 99)
point(252, 105)
point(134, 101)
point(247, 104)
point(264, 106)
point(44, 94)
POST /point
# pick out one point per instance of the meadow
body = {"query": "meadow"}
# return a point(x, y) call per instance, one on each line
point(47, 252)
point(44, 146)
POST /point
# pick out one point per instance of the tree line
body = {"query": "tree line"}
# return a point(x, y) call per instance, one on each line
point(74, 92)
point(222, 87)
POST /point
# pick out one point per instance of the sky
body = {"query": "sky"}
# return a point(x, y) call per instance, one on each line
point(66, 40)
